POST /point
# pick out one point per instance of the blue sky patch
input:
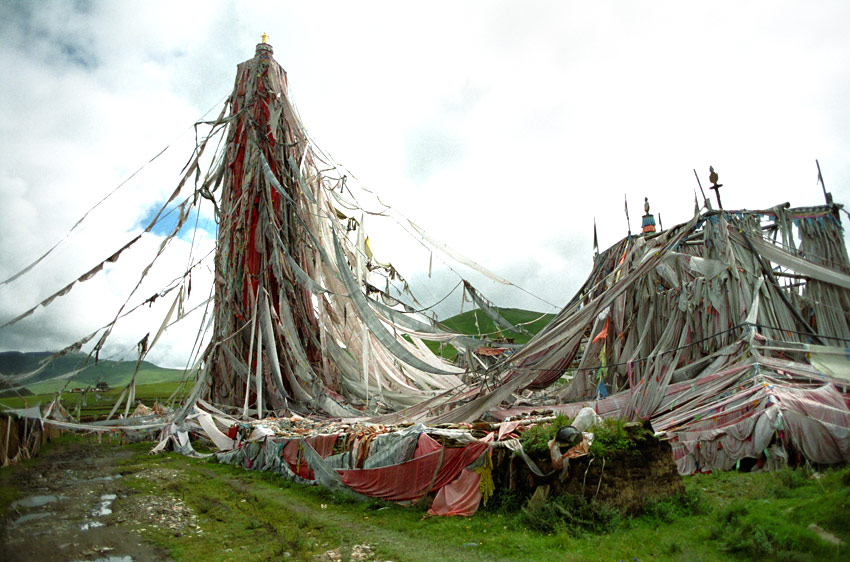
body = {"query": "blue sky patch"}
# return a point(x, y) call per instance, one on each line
point(168, 221)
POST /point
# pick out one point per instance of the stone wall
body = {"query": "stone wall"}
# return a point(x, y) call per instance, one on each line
point(620, 478)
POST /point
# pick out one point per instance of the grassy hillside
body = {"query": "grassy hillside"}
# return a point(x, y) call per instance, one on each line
point(7, 389)
point(466, 323)
point(114, 373)
point(475, 323)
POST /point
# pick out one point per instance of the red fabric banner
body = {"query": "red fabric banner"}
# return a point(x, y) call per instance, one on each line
point(430, 470)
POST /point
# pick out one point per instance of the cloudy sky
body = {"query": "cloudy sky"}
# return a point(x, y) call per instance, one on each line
point(502, 128)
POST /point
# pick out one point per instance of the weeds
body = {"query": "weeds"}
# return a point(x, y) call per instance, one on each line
point(504, 501)
point(670, 508)
point(751, 530)
point(342, 497)
point(535, 440)
point(786, 481)
point(845, 476)
point(612, 435)
point(374, 504)
point(740, 535)
point(572, 514)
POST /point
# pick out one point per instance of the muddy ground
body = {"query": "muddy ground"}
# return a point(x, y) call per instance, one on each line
point(74, 505)
point(79, 501)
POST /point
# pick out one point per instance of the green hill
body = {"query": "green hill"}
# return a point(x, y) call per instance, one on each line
point(114, 373)
point(6, 390)
point(476, 323)
point(532, 321)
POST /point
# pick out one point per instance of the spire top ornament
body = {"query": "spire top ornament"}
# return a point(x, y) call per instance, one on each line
point(713, 177)
point(648, 222)
point(263, 47)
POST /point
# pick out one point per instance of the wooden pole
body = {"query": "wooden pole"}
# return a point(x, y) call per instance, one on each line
point(826, 195)
point(705, 200)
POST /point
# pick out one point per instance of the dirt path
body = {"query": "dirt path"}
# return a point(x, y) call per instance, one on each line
point(68, 511)
point(99, 503)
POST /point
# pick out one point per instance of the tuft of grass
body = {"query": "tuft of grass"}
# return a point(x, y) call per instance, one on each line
point(670, 508)
point(745, 533)
point(785, 482)
point(535, 439)
point(844, 476)
point(615, 435)
point(504, 501)
point(608, 436)
point(573, 515)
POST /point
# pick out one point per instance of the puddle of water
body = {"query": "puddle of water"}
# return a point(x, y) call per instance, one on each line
point(104, 478)
point(35, 501)
point(110, 559)
point(29, 517)
point(103, 509)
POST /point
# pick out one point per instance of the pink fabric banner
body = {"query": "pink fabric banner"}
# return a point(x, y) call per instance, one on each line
point(461, 497)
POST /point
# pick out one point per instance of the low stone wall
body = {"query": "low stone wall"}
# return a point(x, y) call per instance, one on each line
point(621, 478)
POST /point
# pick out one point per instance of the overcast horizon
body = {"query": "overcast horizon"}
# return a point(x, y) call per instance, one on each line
point(502, 128)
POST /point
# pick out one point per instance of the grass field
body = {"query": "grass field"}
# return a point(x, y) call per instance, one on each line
point(247, 515)
point(99, 404)
point(146, 376)
point(152, 382)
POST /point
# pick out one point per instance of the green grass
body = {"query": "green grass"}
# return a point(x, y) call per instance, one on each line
point(248, 515)
point(261, 516)
point(446, 351)
point(100, 404)
point(466, 323)
point(117, 376)
point(768, 518)
point(256, 510)
point(609, 436)
point(614, 434)
point(535, 440)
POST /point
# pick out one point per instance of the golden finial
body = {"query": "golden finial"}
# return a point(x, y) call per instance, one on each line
point(265, 37)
